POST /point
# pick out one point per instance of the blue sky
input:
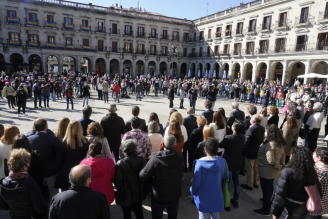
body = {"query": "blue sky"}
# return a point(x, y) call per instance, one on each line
point(190, 9)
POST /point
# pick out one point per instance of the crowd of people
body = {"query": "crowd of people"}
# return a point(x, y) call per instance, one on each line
point(90, 164)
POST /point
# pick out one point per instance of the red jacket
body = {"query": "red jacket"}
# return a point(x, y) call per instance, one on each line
point(102, 176)
point(117, 88)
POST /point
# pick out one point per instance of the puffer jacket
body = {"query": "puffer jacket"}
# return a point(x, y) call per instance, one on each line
point(130, 190)
point(21, 195)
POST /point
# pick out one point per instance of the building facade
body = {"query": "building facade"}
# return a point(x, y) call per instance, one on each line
point(57, 35)
point(263, 39)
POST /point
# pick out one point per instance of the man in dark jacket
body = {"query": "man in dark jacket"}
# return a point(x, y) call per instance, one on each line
point(236, 114)
point(171, 96)
point(211, 95)
point(130, 193)
point(49, 154)
point(164, 171)
point(208, 113)
point(85, 121)
point(254, 138)
point(135, 113)
point(114, 127)
point(190, 122)
point(79, 202)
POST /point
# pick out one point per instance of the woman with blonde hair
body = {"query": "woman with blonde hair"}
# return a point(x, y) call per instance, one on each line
point(154, 136)
point(178, 117)
point(95, 132)
point(208, 132)
point(75, 149)
point(218, 126)
point(6, 143)
point(61, 128)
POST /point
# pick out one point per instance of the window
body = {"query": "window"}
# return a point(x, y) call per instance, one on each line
point(11, 14)
point(237, 49)
point(101, 26)
point(32, 17)
point(128, 30)
point(164, 34)
point(264, 46)
point(14, 37)
point(218, 32)
point(228, 30)
point(85, 23)
point(175, 36)
point(153, 33)
point(304, 15)
point(226, 49)
point(209, 34)
point(250, 48)
point(68, 21)
point(216, 50)
point(33, 39)
point(141, 48)
point(325, 16)
point(195, 36)
point(69, 41)
point(114, 46)
point(200, 51)
point(51, 40)
point(201, 35)
point(301, 43)
point(114, 28)
point(85, 42)
point(153, 49)
point(186, 37)
point(240, 27)
point(282, 19)
point(128, 47)
point(193, 52)
point(100, 45)
point(50, 19)
point(252, 26)
point(208, 53)
point(141, 31)
point(323, 41)
point(280, 44)
point(266, 25)
point(164, 50)
point(185, 52)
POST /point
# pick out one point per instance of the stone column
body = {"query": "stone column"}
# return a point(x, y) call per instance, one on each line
point(267, 73)
point(254, 72)
point(107, 66)
point(60, 64)
point(284, 72)
point(44, 64)
point(242, 73)
point(78, 63)
point(92, 65)
point(307, 70)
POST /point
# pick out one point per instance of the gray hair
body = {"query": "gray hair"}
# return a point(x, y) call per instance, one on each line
point(169, 141)
point(235, 105)
point(317, 107)
point(190, 111)
point(153, 127)
point(129, 147)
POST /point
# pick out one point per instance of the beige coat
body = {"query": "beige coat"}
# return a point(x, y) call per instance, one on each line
point(290, 136)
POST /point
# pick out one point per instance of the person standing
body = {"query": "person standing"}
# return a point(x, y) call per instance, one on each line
point(114, 127)
point(105, 90)
point(130, 193)
point(85, 121)
point(236, 114)
point(313, 125)
point(193, 97)
point(209, 173)
point(171, 95)
point(9, 92)
point(86, 95)
point(182, 96)
point(164, 171)
point(69, 96)
point(135, 114)
point(254, 138)
point(45, 92)
point(21, 96)
point(208, 113)
point(79, 202)
point(37, 94)
point(117, 92)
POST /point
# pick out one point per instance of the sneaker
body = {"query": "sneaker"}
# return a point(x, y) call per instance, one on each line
point(262, 212)
point(244, 186)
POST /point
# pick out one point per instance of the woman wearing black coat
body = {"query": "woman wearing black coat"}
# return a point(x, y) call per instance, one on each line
point(195, 137)
point(130, 192)
point(21, 96)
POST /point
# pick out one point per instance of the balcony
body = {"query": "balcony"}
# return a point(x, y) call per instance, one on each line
point(141, 35)
point(68, 26)
point(266, 30)
point(164, 37)
point(322, 46)
point(85, 28)
point(70, 46)
point(251, 32)
point(14, 42)
point(263, 50)
point(141, 52)
point(31, 22)
point(33, 43)
point(303, 22)
point(323, 17)
point(249, 52)
point(100, 30)
point(13, 20)
point(50, 24)
point(282, 26)
point(237, 53)
point(280, 49)
point(301, 47)
point(114, 31)
point(128, 33)
point(51, 45)
point(153, 36)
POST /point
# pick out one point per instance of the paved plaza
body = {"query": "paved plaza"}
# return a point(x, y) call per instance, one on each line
point(249, 200)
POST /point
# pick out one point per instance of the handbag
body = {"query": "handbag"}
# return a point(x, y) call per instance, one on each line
point(225, 188)
point(313, 204)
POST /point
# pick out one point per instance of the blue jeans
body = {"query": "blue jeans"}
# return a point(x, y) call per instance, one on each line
point(236, 186)
point(85, 101)
point(215, 215)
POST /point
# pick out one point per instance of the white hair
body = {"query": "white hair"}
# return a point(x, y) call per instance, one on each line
point(235, 105)
point(317, 106)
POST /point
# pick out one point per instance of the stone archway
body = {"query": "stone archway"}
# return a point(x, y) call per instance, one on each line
point(235, 71)
point(200, 70)
point(193, 69)
point(248, 71)
point(127, 67)
point(295, 69)
point(34, 63)
point(183, 70)
point(226, 69)
point(140, 65)
point(85, 65)
point(100, 66)
point(320, 67)
point(276, 72)
point(261, 71)
point(69, 64)
point(16, 62)
point(52, 64)
point(2, 63)
point(114, 67)
point(216, 70)
point(151, 67)
point(163, 68)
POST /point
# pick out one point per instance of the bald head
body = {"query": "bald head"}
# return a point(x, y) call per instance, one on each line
point(80, 175)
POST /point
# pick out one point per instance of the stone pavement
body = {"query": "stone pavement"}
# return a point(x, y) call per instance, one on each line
point(248, 200)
